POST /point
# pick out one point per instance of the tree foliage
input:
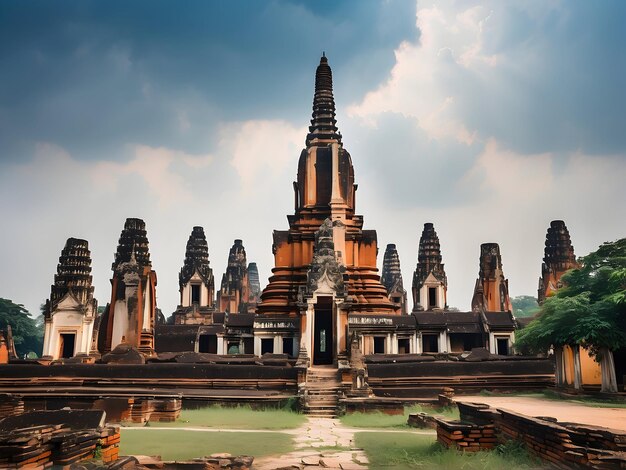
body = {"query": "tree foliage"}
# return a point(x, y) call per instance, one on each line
point(590, 308)
point(524, 306)
point(27, 336)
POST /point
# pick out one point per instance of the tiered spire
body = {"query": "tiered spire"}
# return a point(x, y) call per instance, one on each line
point(323, 126)
point(558, 258)
point(73, 274)
point(196, 259)
point(428, 262)
point(255, 283)
point(491, 293)
point(392, 277)
point(490, 261)
point(133, 239)
point(233, 295)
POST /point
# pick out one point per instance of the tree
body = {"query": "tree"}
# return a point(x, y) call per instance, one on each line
point(588, 311)
point(26, 336)
point(524, 306)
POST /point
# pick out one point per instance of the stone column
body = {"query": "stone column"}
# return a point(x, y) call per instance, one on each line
point(308, 337)
point(443, 342)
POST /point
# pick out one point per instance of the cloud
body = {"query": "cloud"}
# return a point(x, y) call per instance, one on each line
point(154, 167)
point(243, 190)
point(261, 150)
point(537, 77)
point(515, 198)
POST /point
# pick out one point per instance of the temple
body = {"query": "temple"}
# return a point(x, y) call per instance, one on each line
point(392, 278)
point(491, 292)
point(70, 312)
point(129, 318)
point(430, 285)
point(233, 295)
point(196, 283)
point(326, 329)
point(319, 282)
point(558, 258)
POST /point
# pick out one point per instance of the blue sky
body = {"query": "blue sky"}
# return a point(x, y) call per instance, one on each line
point(488, 119)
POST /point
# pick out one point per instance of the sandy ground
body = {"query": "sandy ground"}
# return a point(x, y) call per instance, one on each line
point(566, 411)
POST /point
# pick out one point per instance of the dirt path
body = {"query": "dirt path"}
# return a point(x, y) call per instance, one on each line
point(566, 411)
point(324, 443)
point(319, 443)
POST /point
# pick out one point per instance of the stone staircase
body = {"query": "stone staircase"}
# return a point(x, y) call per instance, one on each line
point(321, 392)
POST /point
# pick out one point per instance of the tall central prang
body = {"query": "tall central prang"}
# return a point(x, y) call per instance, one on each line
point(317, 294)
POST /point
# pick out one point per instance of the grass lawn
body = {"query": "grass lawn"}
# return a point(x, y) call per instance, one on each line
point(381, 420)
point(178, 444)
point(241, 417)
point(397, 451)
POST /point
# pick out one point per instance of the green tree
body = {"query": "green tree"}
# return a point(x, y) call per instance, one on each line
point(26, 335)
point(524, 306)
point(589, 310)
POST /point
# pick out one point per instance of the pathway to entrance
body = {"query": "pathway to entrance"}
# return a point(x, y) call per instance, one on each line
point(325, 443)
point(563, 410)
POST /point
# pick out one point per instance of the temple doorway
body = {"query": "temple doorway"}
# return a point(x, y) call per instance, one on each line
point(323, 336)
point(67, 345)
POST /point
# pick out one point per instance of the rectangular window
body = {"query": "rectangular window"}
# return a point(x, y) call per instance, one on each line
point(233, 348)
point(404, 346)
point(195, 293)
point(430, 343)
point(432, 298)
point(267, 346)
point(288, 346)
point(379, 345)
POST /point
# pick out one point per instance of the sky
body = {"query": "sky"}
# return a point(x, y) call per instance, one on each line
point(487, 118)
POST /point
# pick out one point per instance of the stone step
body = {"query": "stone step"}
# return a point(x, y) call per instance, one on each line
point(321, 393)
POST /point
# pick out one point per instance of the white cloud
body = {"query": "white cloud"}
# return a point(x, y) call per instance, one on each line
point(416, 87)
point(261, 149)
point(518, 197)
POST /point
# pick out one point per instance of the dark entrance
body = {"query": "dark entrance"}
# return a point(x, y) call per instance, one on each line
point(502, 346)
point(207, 344)
point(67, 344)
point(323, 336)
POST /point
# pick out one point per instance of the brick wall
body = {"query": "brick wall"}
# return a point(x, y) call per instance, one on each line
point(564, 445)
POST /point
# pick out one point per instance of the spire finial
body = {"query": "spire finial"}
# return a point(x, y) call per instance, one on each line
point(323, 128)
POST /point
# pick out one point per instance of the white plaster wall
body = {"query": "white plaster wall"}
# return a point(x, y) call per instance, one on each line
point(147, 303)
point(204, 292)
point(424, 295)
point(68, 321)
point(120, 322)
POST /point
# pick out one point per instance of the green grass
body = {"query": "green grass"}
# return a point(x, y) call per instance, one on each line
point(381, 420)
point(397, 451)
point(241, 417)
point(176, 444)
